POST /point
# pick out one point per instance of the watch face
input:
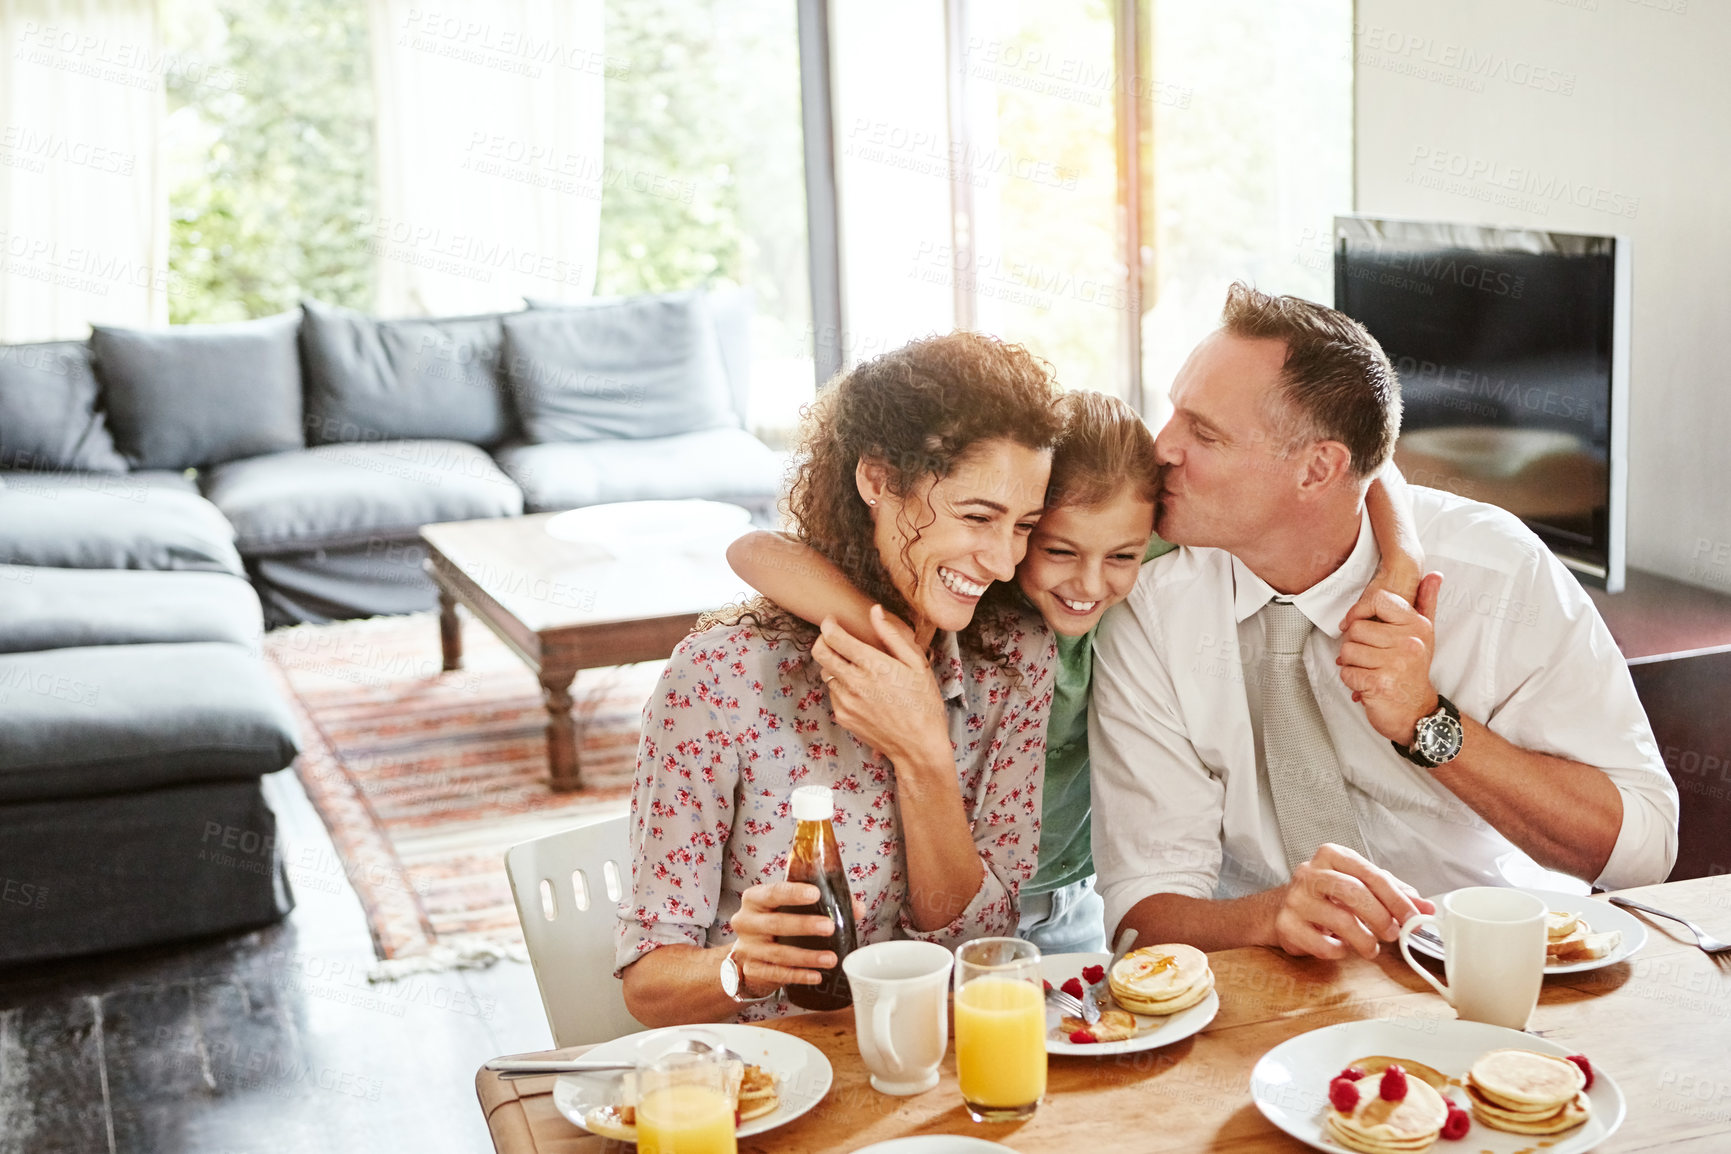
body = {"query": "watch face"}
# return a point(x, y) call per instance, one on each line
point(730, 977)
point(1438, 739)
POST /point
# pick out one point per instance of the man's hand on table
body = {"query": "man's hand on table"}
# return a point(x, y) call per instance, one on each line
point(1338, 901)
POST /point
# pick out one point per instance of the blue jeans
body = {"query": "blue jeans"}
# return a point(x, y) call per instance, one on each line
point(1070, 920)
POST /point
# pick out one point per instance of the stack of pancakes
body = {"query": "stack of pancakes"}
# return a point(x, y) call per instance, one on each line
point(1528, 1093)
point(757, 1093)
point(1570, 939)
point(1377, 1126)
point(1161, 979)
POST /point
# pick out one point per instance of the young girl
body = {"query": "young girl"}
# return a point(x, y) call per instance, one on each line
point(1083, 557)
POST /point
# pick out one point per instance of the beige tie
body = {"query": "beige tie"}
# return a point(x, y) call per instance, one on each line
point(1310, 799)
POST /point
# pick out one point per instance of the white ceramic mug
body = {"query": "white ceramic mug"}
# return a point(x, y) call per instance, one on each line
point(900, 1011)
point(1493, 953)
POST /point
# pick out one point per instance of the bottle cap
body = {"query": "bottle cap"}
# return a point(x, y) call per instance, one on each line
point(813, 803)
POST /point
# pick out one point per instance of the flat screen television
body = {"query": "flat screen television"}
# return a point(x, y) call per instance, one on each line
point(1512, 347)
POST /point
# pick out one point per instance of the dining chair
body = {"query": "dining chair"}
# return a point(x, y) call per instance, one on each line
point(567, 887)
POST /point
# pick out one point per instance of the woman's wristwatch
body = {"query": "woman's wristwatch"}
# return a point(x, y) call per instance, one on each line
point(732, 981)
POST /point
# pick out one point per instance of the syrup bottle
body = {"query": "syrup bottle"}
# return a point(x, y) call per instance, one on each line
point(816, 861)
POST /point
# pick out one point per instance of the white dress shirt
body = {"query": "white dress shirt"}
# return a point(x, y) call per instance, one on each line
point(1181, 798)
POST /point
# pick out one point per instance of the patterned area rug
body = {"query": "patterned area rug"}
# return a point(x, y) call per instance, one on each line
point(426, 778)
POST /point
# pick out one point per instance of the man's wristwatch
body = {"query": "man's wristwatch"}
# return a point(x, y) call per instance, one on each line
point(732, 981)
point(1438, 738)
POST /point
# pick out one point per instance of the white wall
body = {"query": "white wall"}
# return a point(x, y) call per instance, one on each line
point(1601, 116)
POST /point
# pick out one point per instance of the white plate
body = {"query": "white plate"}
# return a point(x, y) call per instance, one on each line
point(1156, 1031)
point(1290, 1083)
point(933, 1144)
point(1601, 916)
point(801, 1069)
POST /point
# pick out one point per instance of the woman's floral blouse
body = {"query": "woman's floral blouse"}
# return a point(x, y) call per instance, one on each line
point(739, 721)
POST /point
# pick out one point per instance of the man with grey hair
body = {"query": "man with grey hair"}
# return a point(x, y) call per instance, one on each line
point(1267, 772)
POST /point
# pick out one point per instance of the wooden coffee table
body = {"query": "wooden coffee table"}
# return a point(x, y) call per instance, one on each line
point(564, 605)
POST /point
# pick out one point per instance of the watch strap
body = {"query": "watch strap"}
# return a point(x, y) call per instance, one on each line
point(1443, 706)
point(729, 962)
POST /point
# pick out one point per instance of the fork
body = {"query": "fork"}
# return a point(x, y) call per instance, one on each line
point(1085, 1008)
point(1708, 943)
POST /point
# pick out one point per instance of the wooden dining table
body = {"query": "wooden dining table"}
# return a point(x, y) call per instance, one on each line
point(1659, 1023)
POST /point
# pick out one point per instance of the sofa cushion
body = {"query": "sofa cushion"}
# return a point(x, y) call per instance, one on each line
point(719, 464)
point(635, 368)
point(174, 863)
point(341, 495)
point(201, 394)
point(67, 608)
point(373, 380)
point(68, 521)
point(48, 413)
point(123, 718)
point(117, 483)
point(380, 578)
point(730, 311)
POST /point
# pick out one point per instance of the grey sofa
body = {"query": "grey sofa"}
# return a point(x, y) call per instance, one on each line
point(137, 720)
point(164, 495)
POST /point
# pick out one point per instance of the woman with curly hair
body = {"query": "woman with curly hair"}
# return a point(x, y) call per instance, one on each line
point(920, 474)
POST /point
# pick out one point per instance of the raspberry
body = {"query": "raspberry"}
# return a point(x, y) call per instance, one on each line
point(1046, 984)
point(1092, 974)
point(1586, 1068)
point(1073, 987)
point(1459, 1122)
point(1343, 1095)
point(1393, 1087)
point(1351, 1074)
point(1082, 1036)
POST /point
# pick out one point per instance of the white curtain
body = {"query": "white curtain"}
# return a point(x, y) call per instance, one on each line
point(83, 220)
point(489, 152)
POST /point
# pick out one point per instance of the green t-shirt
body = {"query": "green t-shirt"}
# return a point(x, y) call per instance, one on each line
point(1066, 855)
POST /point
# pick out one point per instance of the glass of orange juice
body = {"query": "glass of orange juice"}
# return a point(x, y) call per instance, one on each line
point(683, 1106)
point(1000, 1028)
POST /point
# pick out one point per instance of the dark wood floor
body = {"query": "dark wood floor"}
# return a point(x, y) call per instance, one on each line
point(267, 1041)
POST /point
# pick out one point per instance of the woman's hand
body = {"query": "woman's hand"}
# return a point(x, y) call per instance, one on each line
point(766, 965)
point(890, 699)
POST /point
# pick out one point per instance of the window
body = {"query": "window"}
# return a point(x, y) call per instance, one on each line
point(992, 185)
point(1041, 166)
point(268, 147)
point(705, 175)
point(1248, 114)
